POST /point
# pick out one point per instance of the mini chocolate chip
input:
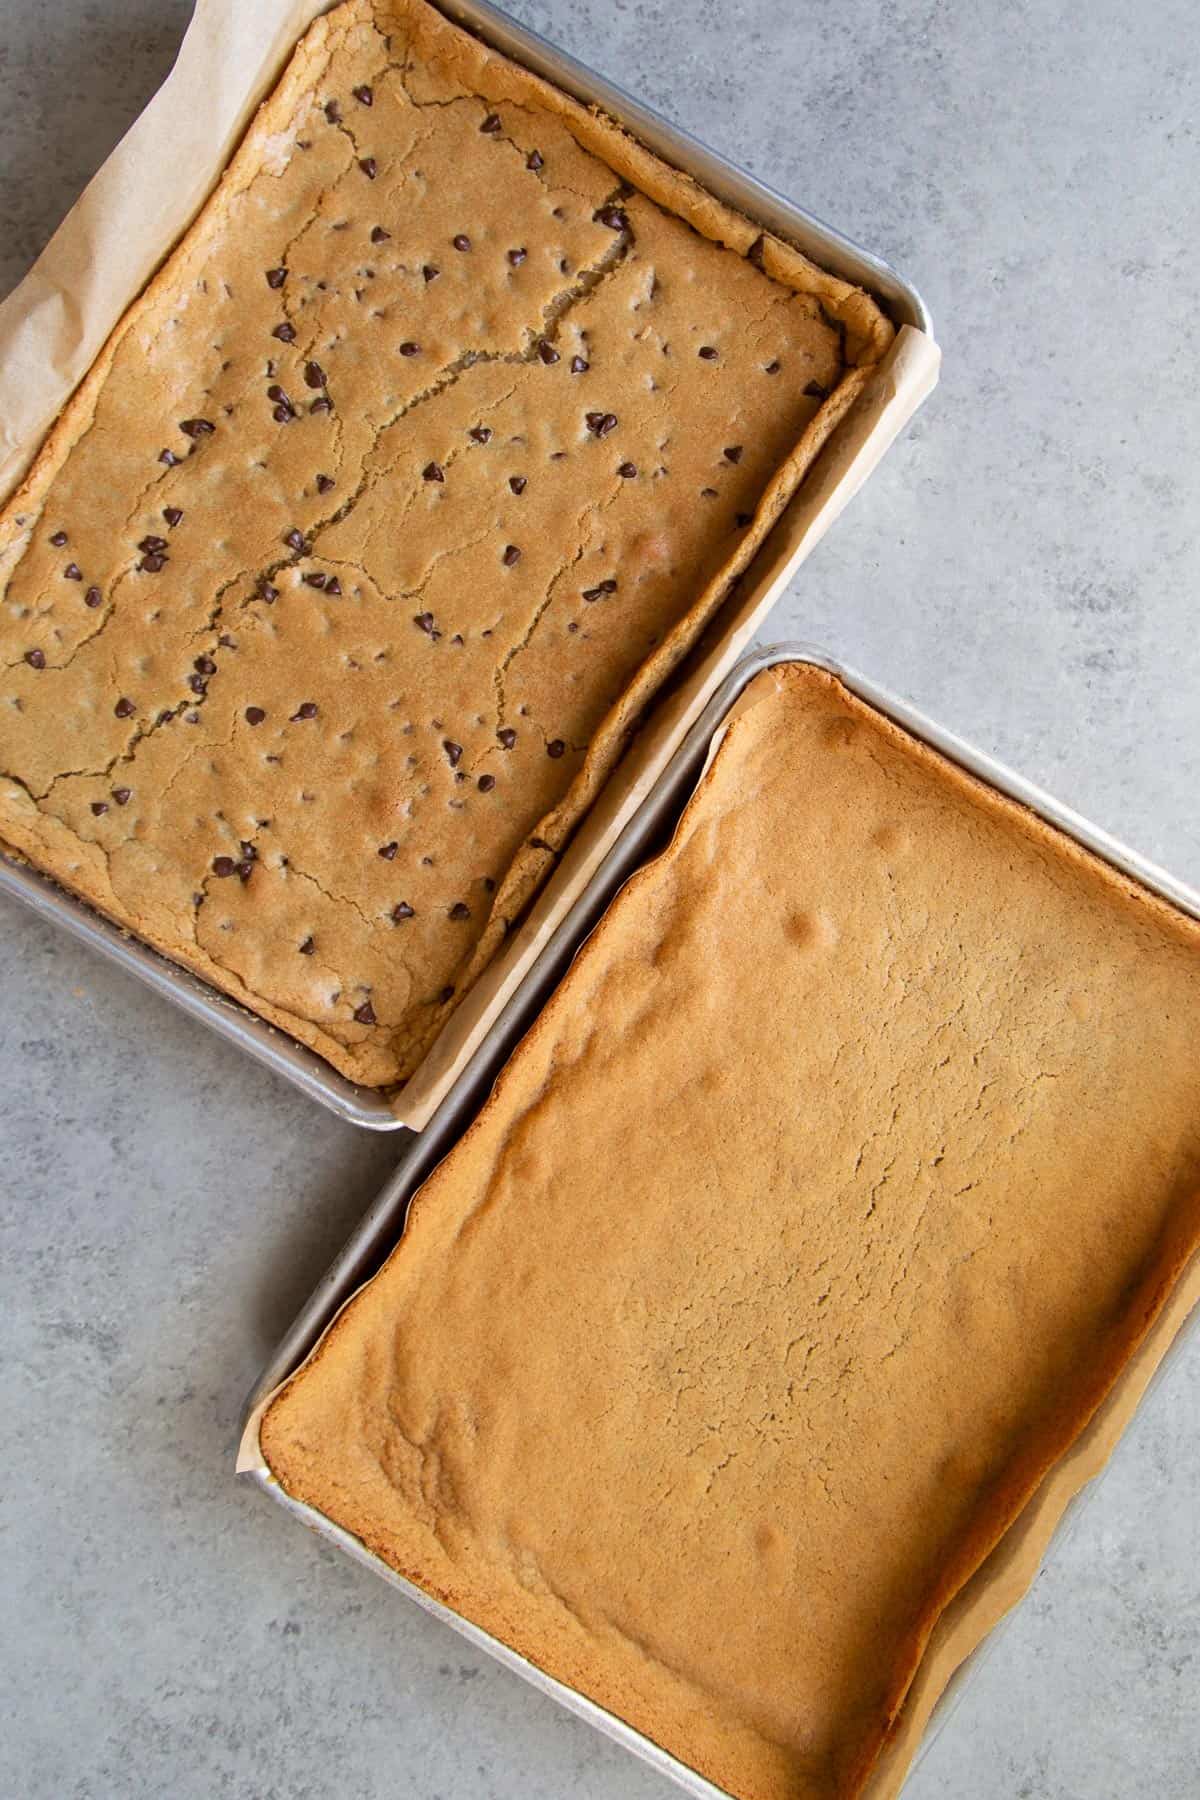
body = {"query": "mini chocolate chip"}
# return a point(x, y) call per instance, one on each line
point(151, 545)
point(315, 579)
point(507, 736)
point(742, 518)
point(276, 277)
point(708, 493)
point(517, 257)
point(283, 414)
point(489, 884)
point(314, 375)
point(555, 747)
point(815, 391)
point(600, 423)
point(732, 453)
point(580, 365)
point(547, 352)
point(321, 404)
point(433, 472)
point(58, 539)
point(368, 166)
point(333, 111)
point(461, 241)
point(306, 710)
point(248, 849)
point(73, 572)
point(424, 622)
point(539, 843)
point(511, 555)
point(453, 752)
point(224, 866)
point(430, 273)
point(460, 910)
point(294, 539)
point(92, 597)
point(447, 993)
point(333, 585)
point(707, 352)
point(307, 947)
point(363, 95)
point(204, 665)
point(480, 433)
point(268, 593)
point(169, 457)
point(172, 514)
point(388, 851)
point(772, 368)
point(365, 1014)
point(534, 160)
point(255, 715)
point(491, 124)
point(613, 217)
point(245, 868)
point(379, 235)
point(401, 911)
point(99, 806)
point(124, 709)
point(196, 683)
point(285, 333)
point(627, 471)
point(36, 659)
point(324, 483)
point(122, 796)
point(409, 349)
point(153, 563)
point(486, 783)
point(196, 428)
point(517, 483)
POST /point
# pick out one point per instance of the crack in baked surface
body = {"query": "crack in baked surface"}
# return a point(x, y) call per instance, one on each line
point(387, 507)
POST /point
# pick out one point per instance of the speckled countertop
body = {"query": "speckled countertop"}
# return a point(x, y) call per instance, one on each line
point(1024, 566)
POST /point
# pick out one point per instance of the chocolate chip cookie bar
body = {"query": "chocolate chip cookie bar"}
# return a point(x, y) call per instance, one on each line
point(339, 583)
point(803, 1233)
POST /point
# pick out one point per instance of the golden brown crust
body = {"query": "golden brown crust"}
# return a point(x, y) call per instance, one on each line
point(509, 192)
point(803, 1233)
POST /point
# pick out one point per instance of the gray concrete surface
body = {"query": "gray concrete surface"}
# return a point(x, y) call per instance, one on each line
point(1025, 565)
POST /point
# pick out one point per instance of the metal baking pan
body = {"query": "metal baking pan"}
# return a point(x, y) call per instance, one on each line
point(381, 1228)
point(303, 1067)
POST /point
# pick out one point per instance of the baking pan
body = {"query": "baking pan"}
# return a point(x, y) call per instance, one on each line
point(382, 1226)
point(303, 1067)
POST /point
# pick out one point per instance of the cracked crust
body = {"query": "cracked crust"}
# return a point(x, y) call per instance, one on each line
point(805, 1230)
point(471, 559)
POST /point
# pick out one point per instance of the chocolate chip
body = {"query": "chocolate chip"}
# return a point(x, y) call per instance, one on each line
point(507, 736)
point(534, 160)
point(517, 483)
point(284, 413)
point(743, 519)
point(517, 257)
point(460, 910)
point(365, 1014)
point(486, 783)
point(707, 352)
point(368, 166)
point(608, 586)
point(580, 365)
point(363, 95)
point(224, 866)
point(124, 709)
point(196, 683)
point(424, 622)
point(204, 665)
point(461, 241)
point(321, 404)
point(409, 349)
point(294, 539)
point(196, 428)
point(433, 472)
point(306, 710)
point(333, 112)
point(285, 333)
point(480, 433)
point(555, 747)
point(627, 471)
point(430, 273)
point(491, 124)
point(255, 715)
point(315, 579)
point(152, 545)
point(388, 851)
point(613, 217)
point(58, 539)
point(379, 235)
point(732, 453)
point(324, 483)
point(245, 868)
point(36, 659)
point(772, 368)
point(307, 947)
point(453, 752)
point(547, 352)
point(267, 592)
point(99, 806)
point(172, 514)
point(276, 277)
point(314, 375)
point(122, 796)
point(275, 392)
point(708, 493)
point(539, 843)
point(447, 993)
point(815, 391)
point(600, 423)
point(333, 586)
point(152, 563)
point(511, 555)
point(73, 572)
point(401, 911)
point(227, 641)
point(92, 597)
